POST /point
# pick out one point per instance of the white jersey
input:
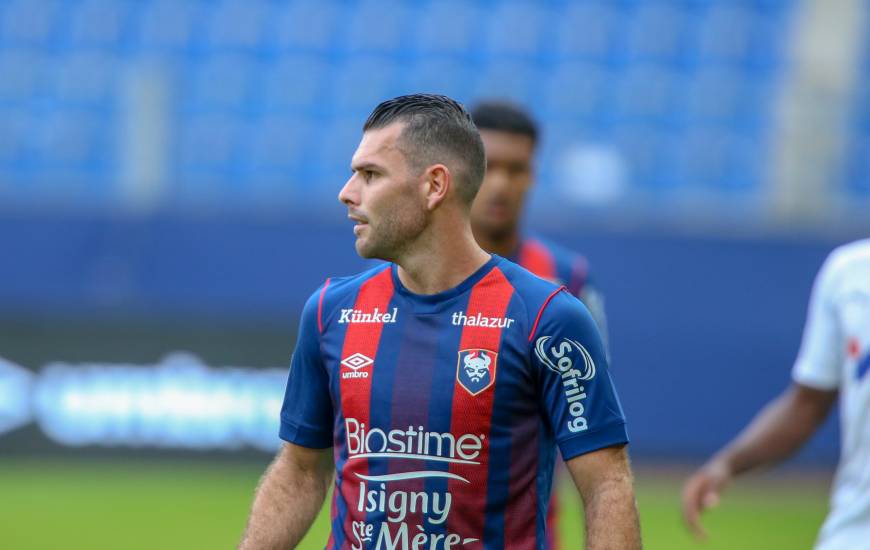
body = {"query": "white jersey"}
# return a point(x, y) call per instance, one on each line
point(835, 354)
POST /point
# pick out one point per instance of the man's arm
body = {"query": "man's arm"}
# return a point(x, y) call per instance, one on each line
point(288, 498)
point(604, 480)
point(779, 430)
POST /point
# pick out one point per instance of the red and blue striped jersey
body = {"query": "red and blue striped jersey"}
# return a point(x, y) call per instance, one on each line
point(444, 411)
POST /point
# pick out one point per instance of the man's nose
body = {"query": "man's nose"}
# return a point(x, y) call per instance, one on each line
point(347, 195)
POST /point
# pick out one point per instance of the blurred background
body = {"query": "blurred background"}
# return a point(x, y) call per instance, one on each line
point(168, 181)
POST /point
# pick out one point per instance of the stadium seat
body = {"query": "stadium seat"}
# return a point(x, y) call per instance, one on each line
point(586, 30)
point(577, 88)
point(647, 93)
point(99, 24)
point(450, 76)
point(87, 79)
point(238, 25)
point(323, 21)
point(461, 37)
point(207, 143)
point(72, 140)
point(657, 33)
point(26, 75)
point(168, 26)
point(29, 23)
point(220, 83)
point(361, 82)
point(509, 79)
point(296, 81)
point(515, 29)
point(379, 26)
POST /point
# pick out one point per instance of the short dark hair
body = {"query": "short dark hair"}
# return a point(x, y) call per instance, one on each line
point(504, 116)
point(437, 127)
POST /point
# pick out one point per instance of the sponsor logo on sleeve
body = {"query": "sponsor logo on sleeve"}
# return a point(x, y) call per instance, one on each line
point(573, 363)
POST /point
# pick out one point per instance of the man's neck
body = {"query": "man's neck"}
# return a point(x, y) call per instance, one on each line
point(505, 246)
point(441, 264)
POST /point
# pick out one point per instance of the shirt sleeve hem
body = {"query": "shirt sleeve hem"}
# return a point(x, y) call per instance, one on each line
point(802, 377)
point(580, 444)
point(304, 437)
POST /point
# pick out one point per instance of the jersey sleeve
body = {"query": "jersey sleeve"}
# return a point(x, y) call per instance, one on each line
point(576, 392)
point(307, 414)
point(820, 357)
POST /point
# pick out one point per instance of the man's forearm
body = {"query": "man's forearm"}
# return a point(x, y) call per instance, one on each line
point(286, 503)
point(611, 517)
point(779, 430)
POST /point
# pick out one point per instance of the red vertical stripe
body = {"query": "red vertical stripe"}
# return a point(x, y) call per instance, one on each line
point(361, 338)
point(538, 259)
point(472, 414)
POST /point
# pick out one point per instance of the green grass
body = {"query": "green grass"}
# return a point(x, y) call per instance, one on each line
point(191, 505)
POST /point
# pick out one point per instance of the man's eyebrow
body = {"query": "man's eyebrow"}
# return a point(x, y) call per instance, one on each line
point(366, 166)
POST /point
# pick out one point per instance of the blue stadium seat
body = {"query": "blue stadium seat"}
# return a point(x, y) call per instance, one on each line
point(295, 82)
point(26, 75)
point(450, 27)
point(647, 93)
point(30, 23)
point(657, 33)
point(650, 155)
point(718, 160)
point(16, 128)
point(239, 25)
point(449, 76)
point(87, 79)
point(73, 140)
point(221, 82)
point(170, 26)
point(515, 28)
point(361, 82)
point(208, 145)
point(515, 80)
point(309, 26)
point(279, 152)
point(99, 24)
point(379, 26)
point(725, 97)
point(577, 88)
point(587, 30)
point(726, 34)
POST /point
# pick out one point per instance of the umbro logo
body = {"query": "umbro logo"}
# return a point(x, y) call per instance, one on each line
point(356, 362)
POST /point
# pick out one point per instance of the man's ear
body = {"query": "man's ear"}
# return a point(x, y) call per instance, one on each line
point(439, 181)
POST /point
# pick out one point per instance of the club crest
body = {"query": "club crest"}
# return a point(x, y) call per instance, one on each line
point(475, 370)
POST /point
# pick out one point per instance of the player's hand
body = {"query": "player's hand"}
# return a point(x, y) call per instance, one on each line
point(701, 492)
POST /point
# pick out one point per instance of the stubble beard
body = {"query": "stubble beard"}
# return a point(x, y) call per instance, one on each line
point(391, 236)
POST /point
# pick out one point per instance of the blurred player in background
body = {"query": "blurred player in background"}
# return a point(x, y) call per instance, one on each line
point(834, 359)
point(439, 385)
point(510, 137)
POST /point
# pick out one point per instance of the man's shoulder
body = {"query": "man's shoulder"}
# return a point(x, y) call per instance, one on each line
point(531, 288)
point(850, 255)
point(338, 290)
point(562, 255)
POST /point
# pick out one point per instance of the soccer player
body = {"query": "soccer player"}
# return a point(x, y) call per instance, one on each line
point(834, 359)
point(510, 137)
point(438, 385)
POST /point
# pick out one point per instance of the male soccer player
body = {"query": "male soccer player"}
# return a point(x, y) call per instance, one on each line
point(834, 359)
point(438, 385)
point(510, 137)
